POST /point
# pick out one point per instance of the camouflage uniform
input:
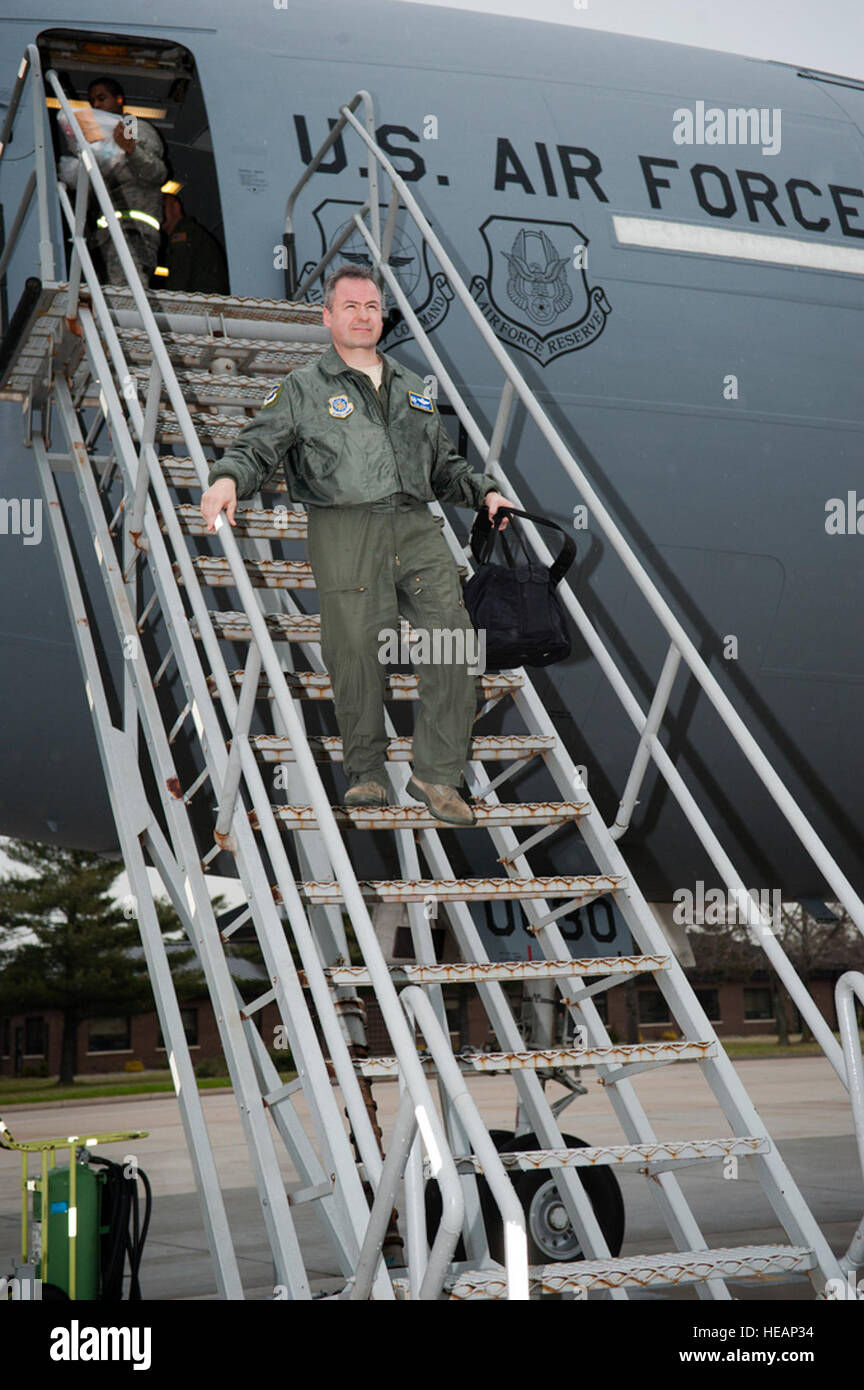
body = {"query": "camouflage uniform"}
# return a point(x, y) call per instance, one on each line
point(135, 186)
point(366, 463)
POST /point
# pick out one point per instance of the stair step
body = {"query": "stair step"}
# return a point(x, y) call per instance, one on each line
point(650, 1158)
point(585, 887)
point(316, 685)
point(276, 748)
point(214, 571)
point(263, 523)
point(534, 813)
point(280, 313)
point(544, 1059)
point(233, 626)
point(469, 972)
point(283, 627)
point(202, 388)
point(196, 352)
point(636, 1271)
point(212, 428)
point(180, 472)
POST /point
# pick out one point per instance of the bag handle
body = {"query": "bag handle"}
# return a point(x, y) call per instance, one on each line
point(484, 531)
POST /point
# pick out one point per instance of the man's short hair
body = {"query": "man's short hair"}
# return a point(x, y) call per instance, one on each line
point(348, 272)
point(110, 83)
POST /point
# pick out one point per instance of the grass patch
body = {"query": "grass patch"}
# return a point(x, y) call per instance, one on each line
point(738, 1049)
point(44, 1091)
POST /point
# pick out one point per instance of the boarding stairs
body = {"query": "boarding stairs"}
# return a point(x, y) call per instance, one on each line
point(133, 393)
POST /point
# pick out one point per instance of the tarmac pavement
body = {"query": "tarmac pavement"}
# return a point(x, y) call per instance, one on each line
point(802, 1103)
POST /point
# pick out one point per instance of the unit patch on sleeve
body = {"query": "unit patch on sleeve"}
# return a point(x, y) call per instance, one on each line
point(340, 406)
point(271, 396)
point(420, 402)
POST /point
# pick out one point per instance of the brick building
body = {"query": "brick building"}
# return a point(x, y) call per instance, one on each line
point(739, 1007)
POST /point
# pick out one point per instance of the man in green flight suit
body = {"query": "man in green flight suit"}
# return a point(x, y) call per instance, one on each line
point(370, 452)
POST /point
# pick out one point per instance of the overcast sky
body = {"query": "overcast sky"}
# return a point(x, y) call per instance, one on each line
point(824, 34)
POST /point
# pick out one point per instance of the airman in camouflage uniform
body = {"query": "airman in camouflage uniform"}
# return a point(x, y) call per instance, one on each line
point(135, 186)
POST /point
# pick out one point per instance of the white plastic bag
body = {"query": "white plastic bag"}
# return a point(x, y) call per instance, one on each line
point(68, 170)
point(106, 151)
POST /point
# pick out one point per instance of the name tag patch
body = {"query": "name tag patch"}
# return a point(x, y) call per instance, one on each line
point(340, 406)
point(419, 402)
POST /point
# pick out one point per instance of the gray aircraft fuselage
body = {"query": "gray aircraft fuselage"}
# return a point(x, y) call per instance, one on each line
point(711, 393)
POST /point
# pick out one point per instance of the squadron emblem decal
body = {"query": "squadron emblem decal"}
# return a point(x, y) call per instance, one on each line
point(535, 295)
point(428, 293)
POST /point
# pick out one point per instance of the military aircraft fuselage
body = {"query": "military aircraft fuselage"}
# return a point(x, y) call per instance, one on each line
point(670, 244)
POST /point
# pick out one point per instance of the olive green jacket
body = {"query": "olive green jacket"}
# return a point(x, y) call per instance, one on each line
point(342, 443)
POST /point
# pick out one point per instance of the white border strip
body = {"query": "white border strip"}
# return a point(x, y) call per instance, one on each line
point(657, 235)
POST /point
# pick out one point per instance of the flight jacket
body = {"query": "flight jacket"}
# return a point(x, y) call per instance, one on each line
point(342, 443)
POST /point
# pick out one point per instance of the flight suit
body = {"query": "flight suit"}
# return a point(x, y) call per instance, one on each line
point(365, 464)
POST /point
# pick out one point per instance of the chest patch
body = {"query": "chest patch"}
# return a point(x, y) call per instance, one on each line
point(418, 402)
point(340, 406)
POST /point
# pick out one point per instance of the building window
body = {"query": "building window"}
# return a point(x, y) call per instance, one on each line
point(601, 1004)
point(189, 1019)
point(710, 1001)
point(652, 1006)
point(109, 1035)
point(757, 1003)
point(5, 1037)
point(34, 1036)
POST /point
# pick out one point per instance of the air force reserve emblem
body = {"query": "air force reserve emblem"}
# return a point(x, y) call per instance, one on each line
point(542, 304)
point(420, 402)
point(340, 406)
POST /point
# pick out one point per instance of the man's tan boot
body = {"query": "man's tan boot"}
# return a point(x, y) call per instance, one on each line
point(444, 802)
point(370, 792)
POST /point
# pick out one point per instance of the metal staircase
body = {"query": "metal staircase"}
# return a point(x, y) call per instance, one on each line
point(125, 379)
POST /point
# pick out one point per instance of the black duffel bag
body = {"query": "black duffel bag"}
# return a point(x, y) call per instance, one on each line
point(516, 604)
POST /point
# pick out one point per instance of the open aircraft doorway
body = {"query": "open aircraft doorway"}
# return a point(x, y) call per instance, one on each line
point(161, 85)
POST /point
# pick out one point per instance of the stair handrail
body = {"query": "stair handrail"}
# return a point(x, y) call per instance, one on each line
point(848, 987)
point(427, 1279)
point(39, 181)
point(288, 237)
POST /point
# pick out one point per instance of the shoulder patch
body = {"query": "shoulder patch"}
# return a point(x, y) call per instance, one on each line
point(271, 396)
point(418, 402)
point(340, 406)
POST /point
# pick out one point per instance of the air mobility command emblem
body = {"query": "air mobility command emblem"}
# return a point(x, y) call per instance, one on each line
point(271, 396)
point(420, 402)
point(340, 406)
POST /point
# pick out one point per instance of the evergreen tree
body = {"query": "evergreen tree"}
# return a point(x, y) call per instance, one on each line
point(66, 944)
